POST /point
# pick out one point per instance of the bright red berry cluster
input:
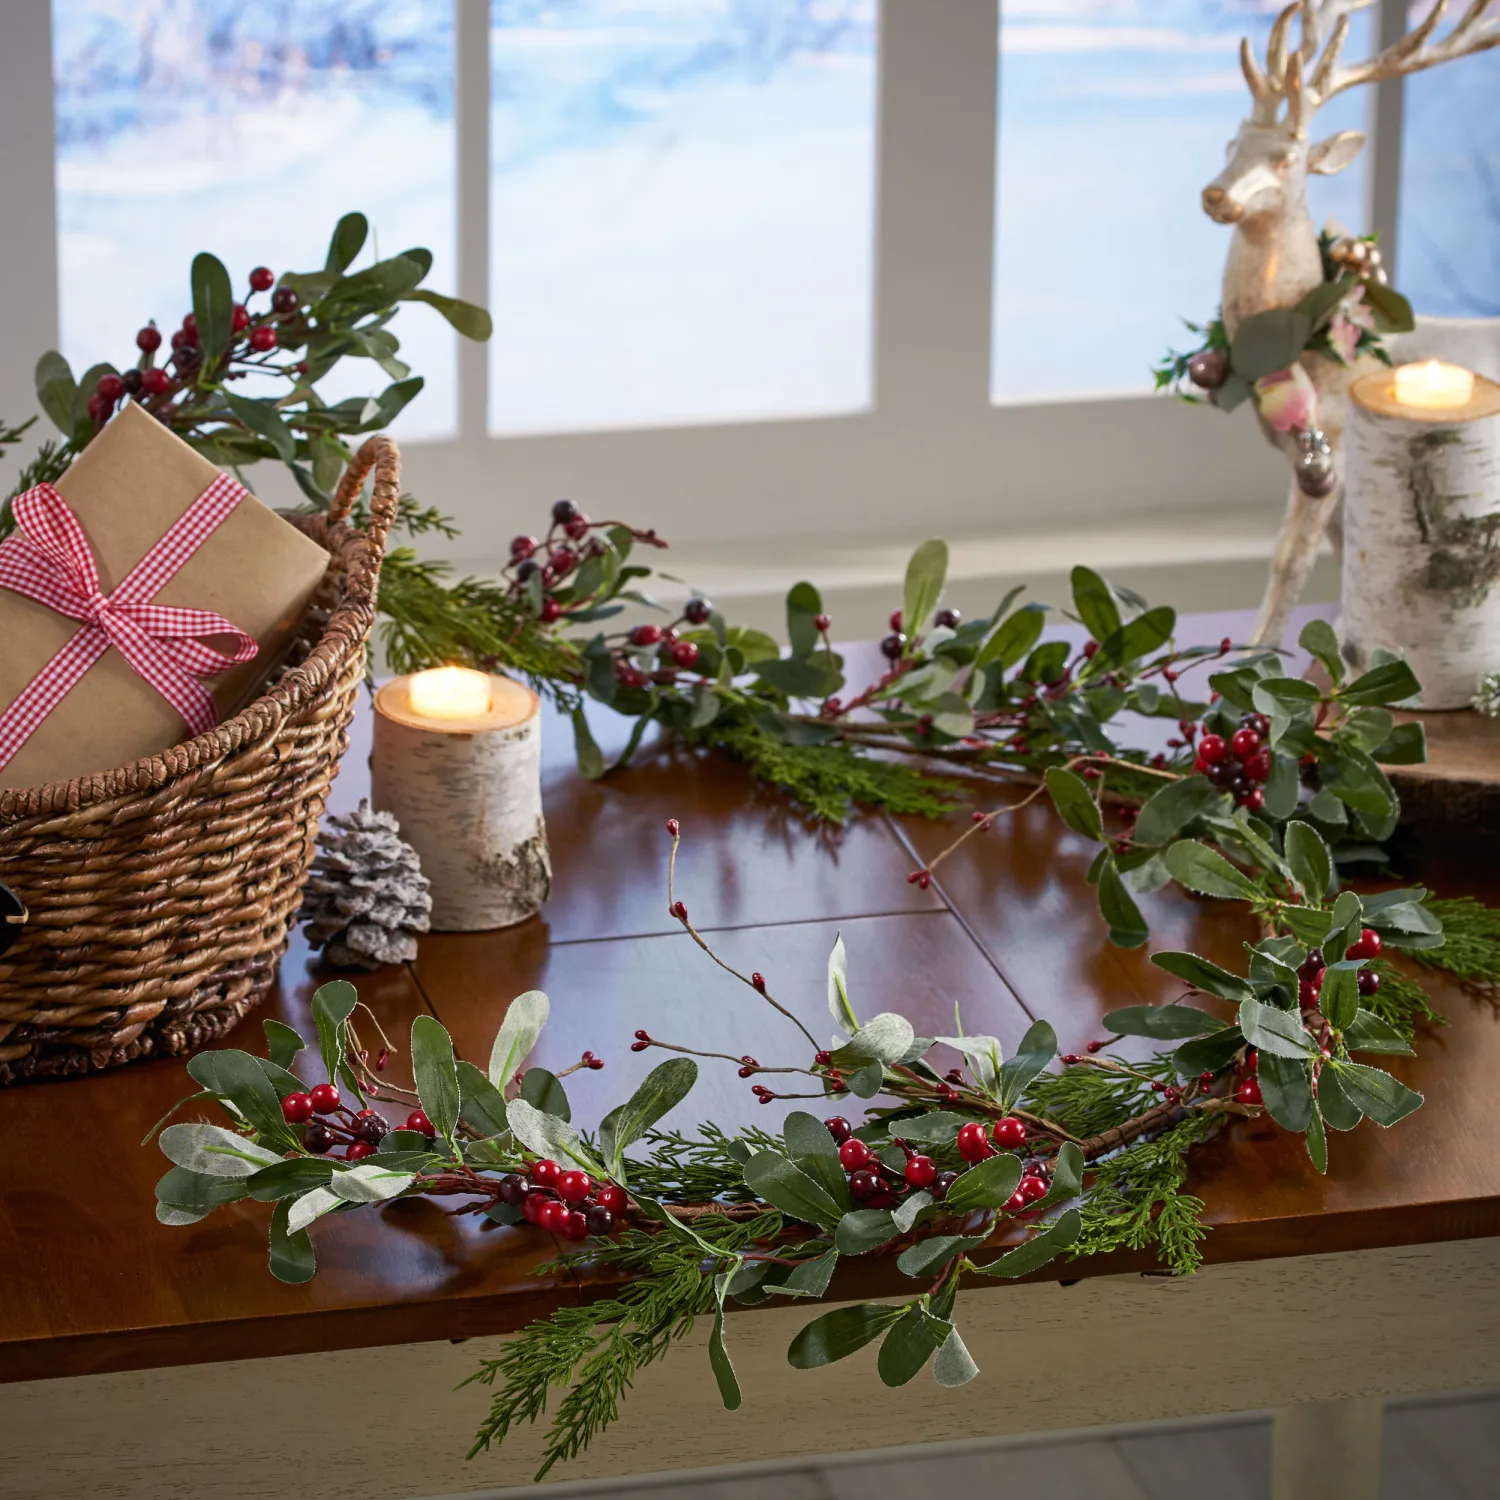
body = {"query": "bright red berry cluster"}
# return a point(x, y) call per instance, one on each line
point(327, 1122)
point(1241, 764)
point(564, 1201)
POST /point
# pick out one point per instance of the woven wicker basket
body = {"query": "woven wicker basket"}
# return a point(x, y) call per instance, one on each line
point(161, 894)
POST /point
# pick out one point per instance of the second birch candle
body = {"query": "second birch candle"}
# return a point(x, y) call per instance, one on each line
point(457, 759)
point(1422, 527)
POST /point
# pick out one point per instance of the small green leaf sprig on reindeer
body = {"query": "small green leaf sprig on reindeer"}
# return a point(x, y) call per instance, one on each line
point(966, 1161)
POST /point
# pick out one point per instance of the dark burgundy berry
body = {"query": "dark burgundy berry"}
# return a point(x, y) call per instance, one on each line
point(1312, 965)
point(564, 511)
point(698, 611)
point(417, 1120)
point(863, 1185)
point(296, 1109)
point(921, 1171)
point(950, 619)
point(148, 339)
point(262, 279)
point(325, 1098)
point(525, 568)
point(187, 357)
point(371, 1127)
point(131, 379)
point(893, 646)
point(941, 1183)
point(839, 1128)
point(1369, 982)
point(685, 654)
point(317, 1137)
point(854, 1154)
point(1208, 369)
point(285, 300)
point(512, 1189)
point(263, 339)
point(154, 381)
point(599, 1220)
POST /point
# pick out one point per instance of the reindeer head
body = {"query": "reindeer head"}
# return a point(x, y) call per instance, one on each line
point(1270, 157)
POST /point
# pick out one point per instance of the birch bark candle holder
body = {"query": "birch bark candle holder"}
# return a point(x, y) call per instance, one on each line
point(1421, 571)
point(457, 759)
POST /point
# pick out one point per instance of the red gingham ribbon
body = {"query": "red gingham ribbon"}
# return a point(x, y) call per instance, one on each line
point(48, 559)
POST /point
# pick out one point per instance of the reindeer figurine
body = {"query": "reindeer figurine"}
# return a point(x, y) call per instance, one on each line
point(1274, 258)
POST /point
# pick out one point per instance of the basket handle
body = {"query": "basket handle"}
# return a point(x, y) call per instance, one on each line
point(381, 454)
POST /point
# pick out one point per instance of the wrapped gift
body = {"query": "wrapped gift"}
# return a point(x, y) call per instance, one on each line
point(143, 598)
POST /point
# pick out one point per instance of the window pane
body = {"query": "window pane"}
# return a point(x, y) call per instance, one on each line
point(1448, 242)
point(248, 130)
point(682, 200)
point(1114, 115)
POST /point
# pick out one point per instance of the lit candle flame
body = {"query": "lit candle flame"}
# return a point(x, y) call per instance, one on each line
point(1434, 385)
point(449, 693)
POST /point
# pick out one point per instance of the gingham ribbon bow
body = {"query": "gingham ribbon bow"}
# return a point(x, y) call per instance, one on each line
point(48, 558)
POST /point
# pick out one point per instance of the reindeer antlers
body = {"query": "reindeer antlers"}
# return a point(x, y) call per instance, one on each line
point(1287, 76)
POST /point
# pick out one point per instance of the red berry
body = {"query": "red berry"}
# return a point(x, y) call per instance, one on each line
point(576, 1226)
point(645, 635)
point(417, 1120)
point(685, 654)
point(1245, 743)
point(679, 910)
point(1258, 767)
point(531, 1206)
point(551, 610)
point(110, 388)
point(821, 624)
point(285, 300)
point(1015, 1203)
point(1205, 1079)
point(552, 1215)
point(99, 408)
point(1252, 801)
point(522, 546)
point(1212, 748)
point(759, 981)
point(896, 619)
point(854, 1154)
point(359, 1149)
point(190, 328)
point(325, 1098)
point(1367, 945)
point(1032, 1187)
point(1369, 982)
point(1009, 1132)
point(574, 1187)
point(972, 1143)
point(154, 381)
point(545, 1172)
point(921, 1171)
point(263, 339)
point(240, 319)
point(839, 1128)
point(296, 1109)
point(612, 1197)
point(863, 1185)
point(1307, 994)
point(1091, 649)
point(262, 279)
point(1248, 1092)
point(822, 1058)
point(148, 339)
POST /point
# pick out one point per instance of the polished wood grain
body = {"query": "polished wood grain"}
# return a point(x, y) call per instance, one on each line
point(1009, 931)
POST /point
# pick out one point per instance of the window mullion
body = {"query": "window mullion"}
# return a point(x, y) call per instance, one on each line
point(471, 111)
point(1387, 104)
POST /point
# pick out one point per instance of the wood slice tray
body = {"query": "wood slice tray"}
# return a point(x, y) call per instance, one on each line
point(1459, 783)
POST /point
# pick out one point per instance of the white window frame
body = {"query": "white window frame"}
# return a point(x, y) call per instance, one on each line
point(931, 454)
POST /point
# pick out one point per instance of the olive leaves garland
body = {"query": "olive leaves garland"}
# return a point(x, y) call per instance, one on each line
point(719, 1218)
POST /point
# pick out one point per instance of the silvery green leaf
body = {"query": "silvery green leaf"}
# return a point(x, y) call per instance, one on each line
point(518, 1034)
point(214, 1151)
point(311, 1205)
point(176, 1217)
point(838, 989)
point(663, 1089)
point(368, 1184)
point(984, 1056)
point(906, 1215)
point(883, 1039)
point(954, 1364)
point(549, 1136)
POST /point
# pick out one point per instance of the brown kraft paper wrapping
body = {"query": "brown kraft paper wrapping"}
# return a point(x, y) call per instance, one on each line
point(126, 488)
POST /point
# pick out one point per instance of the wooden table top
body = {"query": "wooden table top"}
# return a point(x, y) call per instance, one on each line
point(92, 1282)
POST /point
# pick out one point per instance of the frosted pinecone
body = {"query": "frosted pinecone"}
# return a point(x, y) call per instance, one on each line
point(1487, 695)
point(366, 898)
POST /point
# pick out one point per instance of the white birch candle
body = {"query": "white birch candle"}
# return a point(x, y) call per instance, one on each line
point(1422, 528)
point(457, 759)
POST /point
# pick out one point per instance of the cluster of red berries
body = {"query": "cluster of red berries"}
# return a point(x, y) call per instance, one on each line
point(149, 379)
point(1312, 969)
point(329, 1123)
point(895, 645)
point(1239, 764)
point(565, 1201)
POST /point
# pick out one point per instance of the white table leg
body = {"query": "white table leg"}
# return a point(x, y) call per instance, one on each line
point(1328, 1450)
